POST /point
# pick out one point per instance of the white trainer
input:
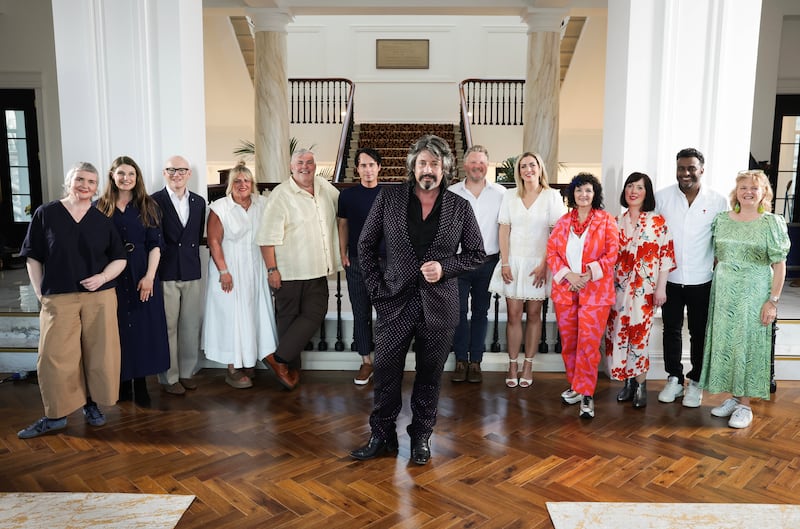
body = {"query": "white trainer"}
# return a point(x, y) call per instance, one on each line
point(725, 409)
point(671, 391)
point(587, 407)
point(570, 396)
point(741, 418)
point(693, 397)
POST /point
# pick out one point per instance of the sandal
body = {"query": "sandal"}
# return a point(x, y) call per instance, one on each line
point(238, 379)
point(526, 382)
point(511, 377)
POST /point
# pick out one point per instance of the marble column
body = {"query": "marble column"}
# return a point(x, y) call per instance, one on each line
point(271, 94)
point(542, 85)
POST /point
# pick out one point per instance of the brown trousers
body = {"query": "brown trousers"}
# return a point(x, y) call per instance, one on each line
point(79, 352)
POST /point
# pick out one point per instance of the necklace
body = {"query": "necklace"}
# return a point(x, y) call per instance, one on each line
point(579, 227)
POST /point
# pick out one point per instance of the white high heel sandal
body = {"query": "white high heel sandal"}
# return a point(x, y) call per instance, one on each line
point(526, 382)
point(512, 382)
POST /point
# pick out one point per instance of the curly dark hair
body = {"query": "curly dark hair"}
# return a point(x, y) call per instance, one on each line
point(582, 179)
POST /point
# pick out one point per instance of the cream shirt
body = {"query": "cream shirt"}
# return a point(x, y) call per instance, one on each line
point(303, 229)
point(690, 227)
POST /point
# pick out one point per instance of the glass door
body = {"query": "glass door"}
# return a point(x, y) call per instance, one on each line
point(20, 175)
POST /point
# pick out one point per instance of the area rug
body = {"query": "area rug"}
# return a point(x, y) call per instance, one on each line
point(600, 515)
point(67, 510)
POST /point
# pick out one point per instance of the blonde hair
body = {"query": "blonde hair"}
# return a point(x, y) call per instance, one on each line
point(759, 177)
point(240, 169)
point(542, 174)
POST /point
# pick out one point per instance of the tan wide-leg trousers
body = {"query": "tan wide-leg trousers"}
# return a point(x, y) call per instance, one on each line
point(79, 352)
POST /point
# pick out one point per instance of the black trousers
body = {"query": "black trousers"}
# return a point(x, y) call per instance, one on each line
point(694, 298)
point(392, 340)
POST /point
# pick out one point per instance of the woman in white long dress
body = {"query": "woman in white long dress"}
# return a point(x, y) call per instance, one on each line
point(526, 215)
point(239, 323)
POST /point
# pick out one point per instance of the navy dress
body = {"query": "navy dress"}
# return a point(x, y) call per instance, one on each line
point(142, 324)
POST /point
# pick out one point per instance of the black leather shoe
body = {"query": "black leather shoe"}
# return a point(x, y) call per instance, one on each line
point(375, 448)
point(420, 450)
point(627, 391)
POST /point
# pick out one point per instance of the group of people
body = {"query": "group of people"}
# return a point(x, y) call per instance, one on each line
point(119, 282)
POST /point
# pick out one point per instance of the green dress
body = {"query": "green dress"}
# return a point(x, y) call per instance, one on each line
point(736, 356)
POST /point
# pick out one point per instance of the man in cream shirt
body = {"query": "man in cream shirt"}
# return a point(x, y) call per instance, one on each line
point(300, 244)
point(689, 209)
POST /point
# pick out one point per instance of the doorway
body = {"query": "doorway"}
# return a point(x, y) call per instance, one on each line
point(20, 173)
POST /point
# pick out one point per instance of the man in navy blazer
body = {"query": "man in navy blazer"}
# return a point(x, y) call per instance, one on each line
point(416, 295)
point(183, 218)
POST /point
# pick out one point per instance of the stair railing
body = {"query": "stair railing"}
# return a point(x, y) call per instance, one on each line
point(490, 102)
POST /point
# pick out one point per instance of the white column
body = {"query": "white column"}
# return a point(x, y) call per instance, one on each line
point(542, 85)
point(130, 81)
point(678, 74)
point(271, 94)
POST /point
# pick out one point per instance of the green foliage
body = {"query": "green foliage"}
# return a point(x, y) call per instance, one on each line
point(505, 171)
point(247, 148)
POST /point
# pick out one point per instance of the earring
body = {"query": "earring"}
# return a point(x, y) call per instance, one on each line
point(760, 208)
point(737, 208)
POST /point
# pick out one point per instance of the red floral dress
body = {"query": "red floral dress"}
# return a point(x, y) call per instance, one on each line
point(644, 253)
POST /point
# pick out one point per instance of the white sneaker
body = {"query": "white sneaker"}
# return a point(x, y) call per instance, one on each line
point(587, 407)
point(694, 395)
point(570, 396)
point(741, 418)
point(671, 391)
point(725, 409)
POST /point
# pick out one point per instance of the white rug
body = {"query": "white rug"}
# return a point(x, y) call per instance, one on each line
point(600, 515)
point(67, 510)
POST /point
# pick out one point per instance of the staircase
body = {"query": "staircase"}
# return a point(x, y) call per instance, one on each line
point(392, 141)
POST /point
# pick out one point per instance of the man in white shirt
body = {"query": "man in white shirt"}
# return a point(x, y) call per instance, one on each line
point(300, 245)
point(485, 197)
point(689, 210)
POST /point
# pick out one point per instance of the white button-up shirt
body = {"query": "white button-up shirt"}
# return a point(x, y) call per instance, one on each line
point(181, 205)
point(690, 227)
point(486, 207)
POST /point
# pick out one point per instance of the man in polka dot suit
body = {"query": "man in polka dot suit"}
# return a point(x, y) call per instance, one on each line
point(416, 296)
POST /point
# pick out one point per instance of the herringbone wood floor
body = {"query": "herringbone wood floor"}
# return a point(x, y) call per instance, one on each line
point(265, 457)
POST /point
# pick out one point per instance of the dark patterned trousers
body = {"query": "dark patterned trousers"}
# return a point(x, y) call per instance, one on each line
point(362, 308)
point(392, 340)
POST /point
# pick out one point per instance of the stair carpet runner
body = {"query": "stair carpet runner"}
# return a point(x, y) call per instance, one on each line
point(392, 141)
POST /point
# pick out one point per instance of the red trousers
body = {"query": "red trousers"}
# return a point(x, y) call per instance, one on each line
point(581, 328)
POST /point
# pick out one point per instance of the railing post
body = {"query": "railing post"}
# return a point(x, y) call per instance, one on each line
point(339, 343)
point(496, 331)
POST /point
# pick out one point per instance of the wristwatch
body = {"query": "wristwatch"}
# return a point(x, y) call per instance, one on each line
point(774, 299)
point(272, 269)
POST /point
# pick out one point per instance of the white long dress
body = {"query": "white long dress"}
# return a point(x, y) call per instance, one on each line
point(530, 229)
point(239, 326)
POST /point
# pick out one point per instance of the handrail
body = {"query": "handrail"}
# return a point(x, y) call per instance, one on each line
point(344, 140)
point(490, 102)
point(466, 129)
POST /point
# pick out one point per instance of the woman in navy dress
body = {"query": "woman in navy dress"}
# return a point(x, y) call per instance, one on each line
point(140, 310)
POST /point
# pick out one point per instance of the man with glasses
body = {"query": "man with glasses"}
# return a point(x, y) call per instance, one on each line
point(689, 210)
point(183, 219)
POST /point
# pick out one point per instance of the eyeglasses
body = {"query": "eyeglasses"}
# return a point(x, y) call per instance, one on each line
point(180, 170)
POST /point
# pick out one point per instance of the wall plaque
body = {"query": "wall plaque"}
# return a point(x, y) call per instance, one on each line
point(402, 54)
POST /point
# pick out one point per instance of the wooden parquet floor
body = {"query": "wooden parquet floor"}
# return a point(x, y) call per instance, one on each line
point(265, 457)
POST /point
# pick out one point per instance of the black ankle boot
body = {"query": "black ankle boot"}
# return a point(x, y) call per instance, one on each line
point(140, 395)
point(640, 395)
point(421, 449)
point(125, 391)
point(627, 391)
point(375, 448)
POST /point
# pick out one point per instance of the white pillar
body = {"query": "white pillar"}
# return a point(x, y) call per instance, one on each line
point(271, 95)
point(542, 85)
point(678, 74)
point(130, 81)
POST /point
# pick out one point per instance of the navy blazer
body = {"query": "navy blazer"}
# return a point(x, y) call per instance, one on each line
point(180, 256)
point(392, 288)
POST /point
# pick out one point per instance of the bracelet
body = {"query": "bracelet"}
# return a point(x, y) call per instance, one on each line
point(272, 269)
point(505, 265)
point(223, 272)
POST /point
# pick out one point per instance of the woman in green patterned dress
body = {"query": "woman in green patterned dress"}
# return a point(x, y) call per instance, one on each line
point(750, 248)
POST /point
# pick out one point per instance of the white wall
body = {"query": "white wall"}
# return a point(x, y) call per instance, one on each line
point(28, 61)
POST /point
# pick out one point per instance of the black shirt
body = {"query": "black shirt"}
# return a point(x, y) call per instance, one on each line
point(422, 232)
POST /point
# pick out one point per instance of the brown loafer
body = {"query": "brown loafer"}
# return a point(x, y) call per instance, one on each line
point(174, 389)
point(281, 372)
point(188, 383)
